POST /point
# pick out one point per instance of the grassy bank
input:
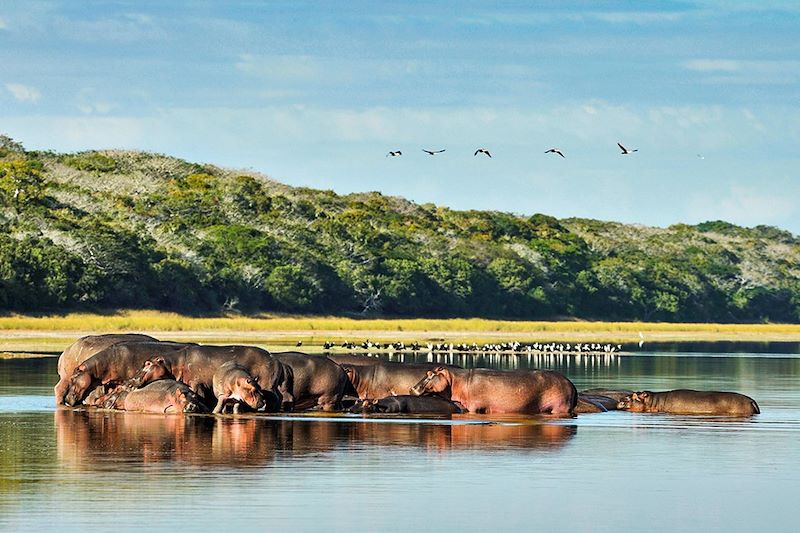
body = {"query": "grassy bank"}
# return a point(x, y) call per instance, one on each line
point(52, 333)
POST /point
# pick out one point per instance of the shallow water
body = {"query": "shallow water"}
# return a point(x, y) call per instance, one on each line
point(78, 470)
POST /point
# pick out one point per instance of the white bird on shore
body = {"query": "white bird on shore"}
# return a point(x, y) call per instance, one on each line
point(625, 151)
point(641, 339)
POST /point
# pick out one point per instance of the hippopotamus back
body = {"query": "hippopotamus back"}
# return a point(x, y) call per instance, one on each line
point(316, 381)
point(386, 378)
point(163, 396)
point(408, 404)
point(690, 402)
point(113, 365)
point(84, 348)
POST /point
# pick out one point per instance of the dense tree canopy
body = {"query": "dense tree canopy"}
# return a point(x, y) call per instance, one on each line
point(120, 229)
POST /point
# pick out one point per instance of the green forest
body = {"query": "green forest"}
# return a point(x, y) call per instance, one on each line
point(102, 230)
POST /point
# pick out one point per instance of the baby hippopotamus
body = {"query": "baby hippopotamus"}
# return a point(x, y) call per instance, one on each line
point(690, 402)
point(233, 385)
point(163, 396)
point(427, 404)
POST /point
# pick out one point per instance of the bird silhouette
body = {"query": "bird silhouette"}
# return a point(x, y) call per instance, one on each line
point(555, 151)
point(482, 151)
point(625, 151)
point(432, 152)
point(394, 154)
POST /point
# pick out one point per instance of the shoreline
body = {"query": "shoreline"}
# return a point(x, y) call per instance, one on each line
point(49, 334)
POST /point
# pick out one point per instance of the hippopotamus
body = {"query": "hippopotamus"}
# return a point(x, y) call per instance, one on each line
point(426, 404)
point(196, 365)
point(357, 360)
point(690, 402)
point(82, 349)
point(163, 396)
point(386, 378)
point(233, 384)
point(112, 366)
point(316, 381)
point(595, 403)
point(482, 390)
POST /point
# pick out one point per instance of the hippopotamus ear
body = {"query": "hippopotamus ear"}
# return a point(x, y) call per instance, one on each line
point(643, 395)
point(160, 360)
point(440, 369)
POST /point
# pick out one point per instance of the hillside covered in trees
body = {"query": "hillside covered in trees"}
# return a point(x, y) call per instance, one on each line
point(123, 229)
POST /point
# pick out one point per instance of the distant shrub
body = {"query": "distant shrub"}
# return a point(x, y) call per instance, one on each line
point(91, 162)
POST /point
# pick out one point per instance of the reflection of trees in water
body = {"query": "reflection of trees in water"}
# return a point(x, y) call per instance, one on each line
point(103, 440)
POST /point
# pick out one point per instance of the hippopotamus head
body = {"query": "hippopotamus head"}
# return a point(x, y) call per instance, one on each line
point(79, 385)
point(636, 402)
point(435, 381)
point(185, 401)
point(250, 393)
point(152, 370)
point(364, 406)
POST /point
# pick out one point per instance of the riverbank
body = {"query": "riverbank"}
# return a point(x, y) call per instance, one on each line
point(50, 334)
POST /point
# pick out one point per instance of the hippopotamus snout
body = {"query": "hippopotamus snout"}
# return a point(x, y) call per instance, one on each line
point(191, 407)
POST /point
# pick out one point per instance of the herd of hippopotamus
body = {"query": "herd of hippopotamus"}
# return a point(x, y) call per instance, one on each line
point(135, 372)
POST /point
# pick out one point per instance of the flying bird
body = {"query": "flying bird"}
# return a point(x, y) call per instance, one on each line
point(432, 152)
point(625, 151)
point(482, 151)
point(394, 154)
point(555, 151)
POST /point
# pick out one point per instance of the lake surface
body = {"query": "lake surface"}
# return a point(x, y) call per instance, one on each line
point(75, 470)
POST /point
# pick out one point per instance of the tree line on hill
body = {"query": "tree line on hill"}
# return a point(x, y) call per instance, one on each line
point(123, 229)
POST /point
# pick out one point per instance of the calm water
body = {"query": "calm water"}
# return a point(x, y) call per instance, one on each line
point(78, 470)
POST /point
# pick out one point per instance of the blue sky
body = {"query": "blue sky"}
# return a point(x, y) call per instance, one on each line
point(316, 93)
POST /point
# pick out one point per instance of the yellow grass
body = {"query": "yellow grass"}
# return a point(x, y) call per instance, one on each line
point(52, 333)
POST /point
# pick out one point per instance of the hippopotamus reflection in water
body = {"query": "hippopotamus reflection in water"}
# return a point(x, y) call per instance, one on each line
point(112, 366)
point(481, 390)
point(84, 348)
point(164, 396)
point(407, 404)
point(233, 385)
point(690, 402)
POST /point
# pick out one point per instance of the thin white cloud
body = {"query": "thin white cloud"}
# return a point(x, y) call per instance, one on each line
point(23, 93)
point(713, 65)
point(284, 67)
point(731, 71)
point(637, 17)
point(3, 24)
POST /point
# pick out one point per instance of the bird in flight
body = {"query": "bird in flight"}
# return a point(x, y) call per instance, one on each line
point(625, 151)
point(394, 154)
point(482, 151)
point(432, 152)
point(555, 151)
